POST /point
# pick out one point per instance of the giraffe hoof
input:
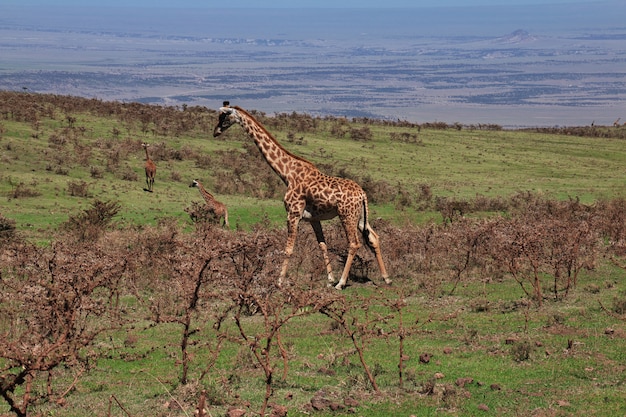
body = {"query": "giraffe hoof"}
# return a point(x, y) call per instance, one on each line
point(339, 287)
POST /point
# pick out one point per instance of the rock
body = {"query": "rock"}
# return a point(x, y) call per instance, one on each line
point(278, 411)
point(461, 382)
point(319, 401)
point(350, 402)
point(336, 406)
point(235, 412)
point(326, 371)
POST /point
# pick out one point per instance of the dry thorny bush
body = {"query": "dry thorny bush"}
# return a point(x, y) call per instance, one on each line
point(56, 300)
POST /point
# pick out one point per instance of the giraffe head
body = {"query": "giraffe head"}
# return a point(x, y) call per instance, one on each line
point(194, 183)
point(228, 117)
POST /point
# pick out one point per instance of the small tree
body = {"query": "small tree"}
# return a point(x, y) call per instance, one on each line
point(90, 224)
point(360, 323)
point(51, 309)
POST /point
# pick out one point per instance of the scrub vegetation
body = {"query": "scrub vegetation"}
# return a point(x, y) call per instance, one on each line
point(507, 250)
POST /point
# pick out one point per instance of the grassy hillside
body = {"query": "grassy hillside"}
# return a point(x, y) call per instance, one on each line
point(60, 153)
point(112, 302)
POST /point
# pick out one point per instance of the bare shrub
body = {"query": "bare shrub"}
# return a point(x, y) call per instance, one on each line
point(405, 137)
point(467, 247)
point(176, 176)
point(7, 229)
point(78, 189)
point(520, 351)
point(619, 304)
point(202, 213)
point(550, 241)
point(426, 193)
point(113, 159)
point(89, 224)
point(611, 223)
point(95, 172)
point(57, 140)
point(451, 209)
point(291, 138)
point(338, 130)
point(363, 134)
point(22, 190)
point(360, 325)
point(61, 170)
point(435, 125)
point(127, 174)
point(52, 309)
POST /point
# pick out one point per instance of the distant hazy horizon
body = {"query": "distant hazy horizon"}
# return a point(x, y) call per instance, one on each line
point(291, 3)
point(515, 65)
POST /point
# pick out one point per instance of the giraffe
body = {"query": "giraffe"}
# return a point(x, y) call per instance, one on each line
point(311, 196)
point(214, 206)
point(150, 169)
point(616, 123)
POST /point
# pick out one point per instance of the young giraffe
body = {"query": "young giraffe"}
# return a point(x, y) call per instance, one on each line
point(150, 169)
point(216, 207)
point(311, 196)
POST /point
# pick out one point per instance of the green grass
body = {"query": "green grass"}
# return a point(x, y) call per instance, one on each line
point(573, 367)
point(586, 378)
point(453, 163)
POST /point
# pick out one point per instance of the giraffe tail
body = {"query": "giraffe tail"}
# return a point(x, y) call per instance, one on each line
point(366, 228)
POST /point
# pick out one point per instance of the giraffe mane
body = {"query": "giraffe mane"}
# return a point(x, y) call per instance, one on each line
point(239, 109)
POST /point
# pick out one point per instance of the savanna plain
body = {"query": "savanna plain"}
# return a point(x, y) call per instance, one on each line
point(507, 250)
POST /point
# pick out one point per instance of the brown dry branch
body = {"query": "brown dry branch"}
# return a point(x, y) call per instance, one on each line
point(402, 332)
point(112, 399)
point(92, 222)
point(254, 291)
point(53, 305)
point(360, 324)
point(7, 229)
point(277, 308)
point(467, 247)
point(187, 278)
point(612, 313)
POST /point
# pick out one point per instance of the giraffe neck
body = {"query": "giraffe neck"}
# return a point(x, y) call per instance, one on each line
point(283, 162)
point(147, 156)
point(208, 197)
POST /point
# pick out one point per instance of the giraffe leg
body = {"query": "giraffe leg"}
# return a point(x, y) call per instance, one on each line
point(346, 269)
point(353, 246)
point(319, 235)
point(292, 234)
point(226, 219)
point(374, 243)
